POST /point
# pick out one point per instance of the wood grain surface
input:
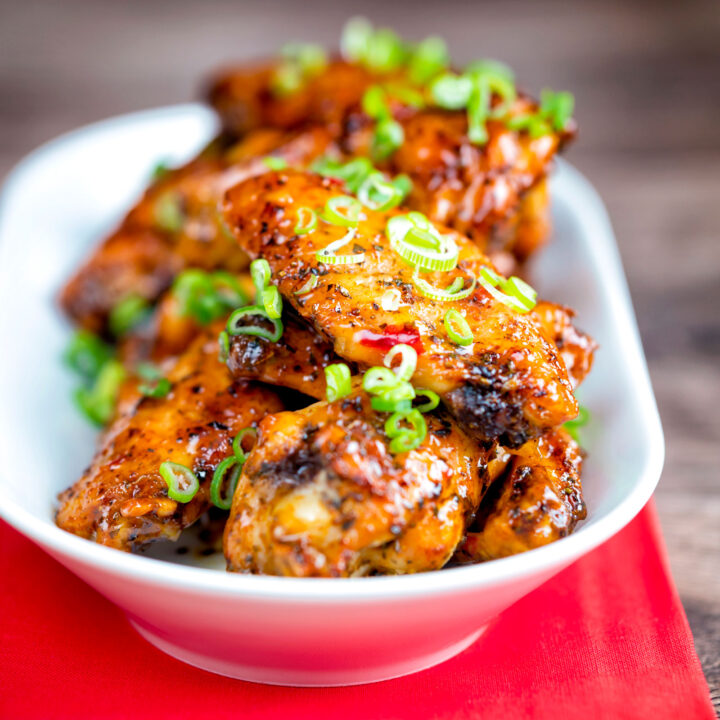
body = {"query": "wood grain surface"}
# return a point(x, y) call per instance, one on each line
point(646, 76)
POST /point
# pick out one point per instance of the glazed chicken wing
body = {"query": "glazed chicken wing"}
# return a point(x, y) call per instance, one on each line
point(176, 225)
point(321, 495)
point(509, 385)
point(493, 192)
point(538, 501)
point(122, 500)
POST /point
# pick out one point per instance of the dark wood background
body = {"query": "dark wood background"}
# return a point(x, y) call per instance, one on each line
point(646, 76)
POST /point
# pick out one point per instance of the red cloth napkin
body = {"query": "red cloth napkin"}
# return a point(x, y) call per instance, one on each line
point(606, 638)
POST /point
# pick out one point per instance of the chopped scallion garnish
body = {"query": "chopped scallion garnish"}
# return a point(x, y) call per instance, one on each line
point(236, 324)
point(168, 212)
point(573, 426)
point(87, 354)
point(342, 210)
point(337, 381)
point(275, 163)
point(329, 256)
point(182, 482)
point(98, 402)
point(306, 221)
point(408, 360)
point(457, 328)
point(128, 314)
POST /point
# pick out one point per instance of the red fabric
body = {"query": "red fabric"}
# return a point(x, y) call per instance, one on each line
point(606, 638)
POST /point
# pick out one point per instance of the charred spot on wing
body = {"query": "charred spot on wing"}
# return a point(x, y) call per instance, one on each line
point(299, 467)
point(490, 413)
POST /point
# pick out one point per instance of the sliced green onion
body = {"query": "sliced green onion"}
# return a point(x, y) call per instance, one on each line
point(240, 454)
point(390, 397)
point(379, 379)
point(573, 426)
point(379, 194)
point(514, 292)
point(457, 328)
point(374, 103)
point(431, 404)
point(181, 481)
point(535, 125)
point(337, 381)
point(310, 284)
point(557, 107)
point(355, 39)
point(235, 324)
point(478, 110)
point(261, 274)
point(272, 302)
point(328, 254)
point(87, 354)
point(449, 295)
point(128, 314)
point(388, 137)
point(159, 389)
point(342, 210)
point(404, 184)
point(275, 163)
point(451, 92)
point(384, 51)
point(384, 404)
point(408, 360)
point(229, 463)
point(522, 291)
point(429, 57)
point(224, 346)
point(306, 221)
point(287, 78)
point(404, 439)
point(417, 242)
point(406, 95)
point(98, 402)
point(168, 212)
point(161, 170)
point(207, 296)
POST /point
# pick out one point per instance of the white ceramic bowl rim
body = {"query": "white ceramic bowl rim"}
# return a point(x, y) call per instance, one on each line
point(378, 588)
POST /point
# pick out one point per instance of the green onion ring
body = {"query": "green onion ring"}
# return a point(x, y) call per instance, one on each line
point(272, 302)
point(217, 479)
point(379, 379)
point(307, 220)
point(434, 293)
point(431, 404)
point(337, 381)
point(235, 328)
point(327, 255)
point(261, 274)
point(457, 328)
point(376, 184)
point(408, 360)
point(224, 346)
point(409, 240)
point(240, 454)
point(342, 210)
point(181, 481)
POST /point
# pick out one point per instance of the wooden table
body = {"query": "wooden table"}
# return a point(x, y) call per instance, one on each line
point(647, 82)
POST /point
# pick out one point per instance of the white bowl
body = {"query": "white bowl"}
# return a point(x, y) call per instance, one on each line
point(57, 203)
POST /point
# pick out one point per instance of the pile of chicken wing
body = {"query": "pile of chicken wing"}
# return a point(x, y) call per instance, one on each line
point(318, 325)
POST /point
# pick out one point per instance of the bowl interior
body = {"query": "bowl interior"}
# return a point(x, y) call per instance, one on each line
point(68, 194)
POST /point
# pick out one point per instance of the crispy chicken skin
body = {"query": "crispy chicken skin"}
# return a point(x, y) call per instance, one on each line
point(478, 190)
point(576, 348)
point(121, 499)
point(321, 495)
point(538, 501)
point(509, 385)
point(176, 225)
point(296, 361)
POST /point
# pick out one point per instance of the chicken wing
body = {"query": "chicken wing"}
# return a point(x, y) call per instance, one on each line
point(495, 192)
point(538, 501)
point(176, 225)
point(321, 495)
point(122, 500)
point(509, 385)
